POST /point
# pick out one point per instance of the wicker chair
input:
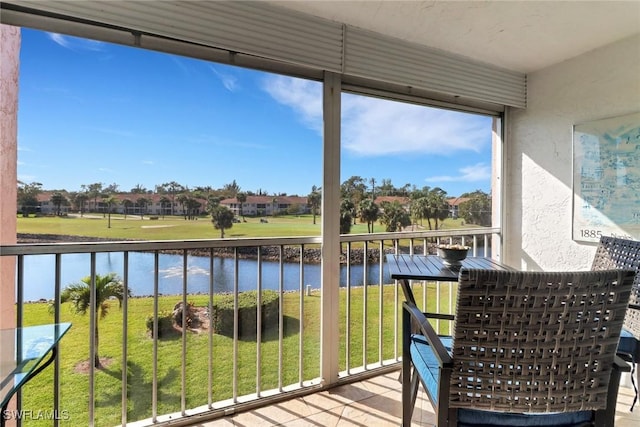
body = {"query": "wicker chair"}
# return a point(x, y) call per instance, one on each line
point(528, 349)
point(613, 252)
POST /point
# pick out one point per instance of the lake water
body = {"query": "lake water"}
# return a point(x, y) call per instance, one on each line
point(39, 273)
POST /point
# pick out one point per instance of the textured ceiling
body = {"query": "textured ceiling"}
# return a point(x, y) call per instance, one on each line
point(523, 36)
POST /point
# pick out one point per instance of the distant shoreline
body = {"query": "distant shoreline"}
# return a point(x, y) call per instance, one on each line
point(269, 253)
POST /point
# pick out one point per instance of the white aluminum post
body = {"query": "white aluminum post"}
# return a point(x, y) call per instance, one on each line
point(329, 331)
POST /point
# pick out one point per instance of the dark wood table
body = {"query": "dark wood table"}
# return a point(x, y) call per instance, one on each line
point(431, 267)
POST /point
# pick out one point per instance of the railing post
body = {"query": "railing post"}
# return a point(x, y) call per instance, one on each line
point(330, 299)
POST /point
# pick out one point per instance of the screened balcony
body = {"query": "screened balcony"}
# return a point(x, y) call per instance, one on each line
point(213, 368)
point(490, 59)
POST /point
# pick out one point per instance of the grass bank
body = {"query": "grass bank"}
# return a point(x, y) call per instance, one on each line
point(177, 228)
point(74, 349)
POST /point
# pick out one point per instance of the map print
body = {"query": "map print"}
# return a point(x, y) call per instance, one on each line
point(606, 179)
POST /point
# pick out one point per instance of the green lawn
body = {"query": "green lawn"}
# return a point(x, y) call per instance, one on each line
point(75, 346)
point(169, 228)
point(74, 349)
point(172, 228)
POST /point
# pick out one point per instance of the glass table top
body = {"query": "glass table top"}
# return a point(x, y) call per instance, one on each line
point(22, 350)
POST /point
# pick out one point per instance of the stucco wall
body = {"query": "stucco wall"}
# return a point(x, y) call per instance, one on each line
point(9, 61)
point(599, 84)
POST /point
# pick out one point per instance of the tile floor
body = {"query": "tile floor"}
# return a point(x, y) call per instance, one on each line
point(370, 403)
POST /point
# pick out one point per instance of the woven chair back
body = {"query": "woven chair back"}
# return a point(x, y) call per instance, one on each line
point(613, 252)
point(534, 341)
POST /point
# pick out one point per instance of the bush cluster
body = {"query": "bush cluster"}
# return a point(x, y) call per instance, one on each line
point(223, 310)
point(165, 324)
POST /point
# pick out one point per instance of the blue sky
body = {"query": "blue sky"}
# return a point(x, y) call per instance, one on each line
point(97, 112)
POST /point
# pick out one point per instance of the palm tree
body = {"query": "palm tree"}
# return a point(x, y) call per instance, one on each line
point(164, 202)
point(127, 204)
point(107, 287)
point(222, 218)
point(394, 216)
point(142, 203)
point(314, 200)
point(172, 189)
point(80, 199)
point(241, 198)
point(94, 191)
point(58, 199)
point(369, 213)
point(109, 200)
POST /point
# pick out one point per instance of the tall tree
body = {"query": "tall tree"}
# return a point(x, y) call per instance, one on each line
point(111, 189)
point(221, 218)
point(182, 199)
point(346, 212)
point(394, 216)
point(386, 188)
point(79, 294)
point(369, 213)
point(164, 203)
point(231, 190)
point(438, 206)
point(142, 203)
point(127, 204)
point(193, 207)
point(109, 200)
point(79, 200)
point(314, 200)
point(139, 189)
point(355, 190)
point(430, 204)
point(476, 210)
point(242, 199)
point(172, 189)
point(28, 197)
point(94, 191)
point(58, 200)
point(419, 207)
point(373, 188)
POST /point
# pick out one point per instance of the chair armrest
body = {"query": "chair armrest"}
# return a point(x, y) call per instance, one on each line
point(620, 364)
point(634, 306)
point(429, 333)
point(441, 316)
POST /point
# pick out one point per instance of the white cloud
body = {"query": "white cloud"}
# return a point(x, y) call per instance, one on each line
point(60, 39)
point(374, 126)
point(106, 170)
point(229, 81)
point(148, 162)
point(303, 96)
point(377, 127)
point(76, 43)
point(477, 172)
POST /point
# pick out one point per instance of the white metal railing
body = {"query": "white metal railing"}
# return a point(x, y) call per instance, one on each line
point(370, 331)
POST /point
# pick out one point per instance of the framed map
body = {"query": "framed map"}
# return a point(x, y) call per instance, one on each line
point(606, 178)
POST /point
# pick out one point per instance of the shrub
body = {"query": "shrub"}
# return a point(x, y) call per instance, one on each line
point(165, 324)
point(223, 310)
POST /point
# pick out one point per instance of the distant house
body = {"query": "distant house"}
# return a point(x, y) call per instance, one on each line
point(47, 208)
point(454, 206)
point(155, 204)
point(267, 205)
